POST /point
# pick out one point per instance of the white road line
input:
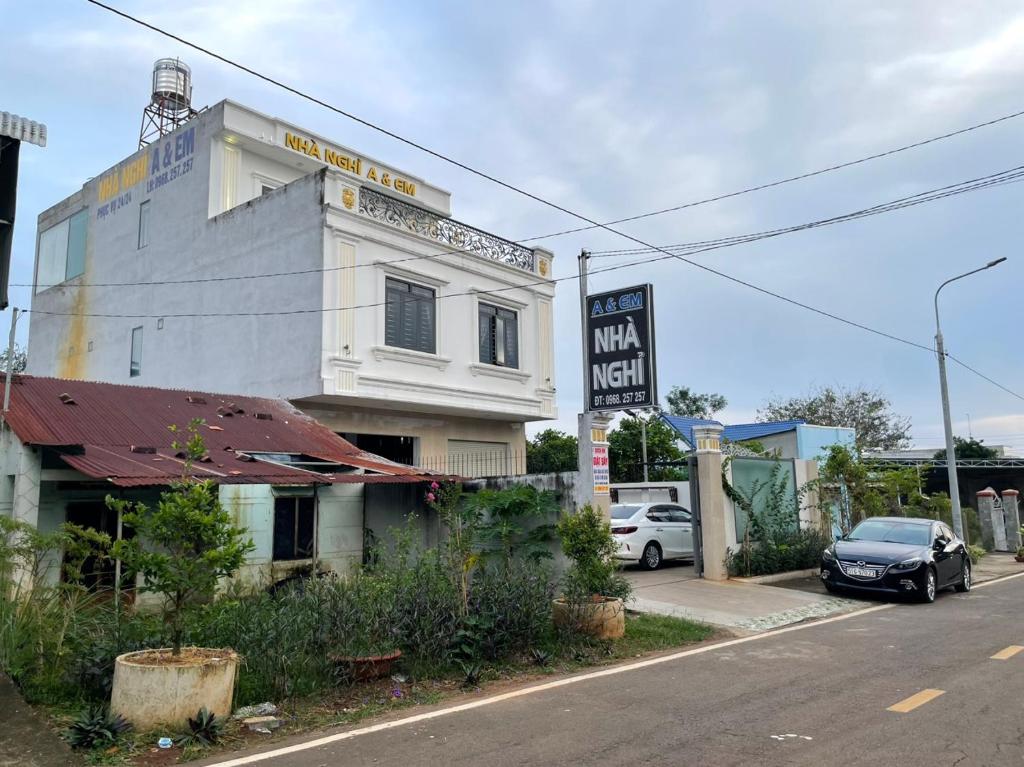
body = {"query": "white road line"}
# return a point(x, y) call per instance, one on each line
point(545, 686)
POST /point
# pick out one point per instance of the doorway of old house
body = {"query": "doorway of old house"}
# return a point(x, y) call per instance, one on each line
point(97, 573)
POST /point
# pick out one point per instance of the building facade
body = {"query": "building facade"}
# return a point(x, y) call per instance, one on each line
point(358, 297)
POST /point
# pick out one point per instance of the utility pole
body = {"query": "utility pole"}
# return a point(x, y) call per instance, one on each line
point(954, 487)
point(593, 427)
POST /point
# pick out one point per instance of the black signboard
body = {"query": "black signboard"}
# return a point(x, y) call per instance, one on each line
point(620, 350)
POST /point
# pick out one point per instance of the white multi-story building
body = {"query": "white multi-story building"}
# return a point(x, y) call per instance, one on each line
point(243, 254)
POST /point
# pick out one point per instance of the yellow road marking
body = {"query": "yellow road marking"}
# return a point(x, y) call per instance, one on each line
point(1009, 652)
point(919, 699)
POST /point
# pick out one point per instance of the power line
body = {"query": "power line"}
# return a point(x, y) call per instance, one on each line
point(482, 174)
point(978, 373)
point(788, 180)
point(962, 187)
point(443, 157)
point(998, 178)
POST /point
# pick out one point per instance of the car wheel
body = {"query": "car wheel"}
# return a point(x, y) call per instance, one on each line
point(965, 577)
point(651, 559)
point(831, 588)
point(930, 587)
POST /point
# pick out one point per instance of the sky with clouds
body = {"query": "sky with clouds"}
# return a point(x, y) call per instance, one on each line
point(618, 109)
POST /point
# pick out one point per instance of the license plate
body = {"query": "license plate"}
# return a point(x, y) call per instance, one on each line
point(861, 571)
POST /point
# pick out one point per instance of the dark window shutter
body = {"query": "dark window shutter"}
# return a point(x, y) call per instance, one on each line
point(392, 313)
point(511, 339)
point(486, 319)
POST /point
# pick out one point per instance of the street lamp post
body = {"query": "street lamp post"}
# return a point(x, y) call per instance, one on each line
point(954, 488)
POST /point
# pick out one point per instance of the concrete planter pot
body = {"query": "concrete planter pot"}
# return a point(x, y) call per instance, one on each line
point(601, 618)
point(152, 687)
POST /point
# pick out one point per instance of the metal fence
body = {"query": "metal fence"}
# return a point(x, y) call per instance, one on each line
point(501, 463)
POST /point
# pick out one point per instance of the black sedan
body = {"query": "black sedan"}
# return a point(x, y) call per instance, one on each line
point(897, 555)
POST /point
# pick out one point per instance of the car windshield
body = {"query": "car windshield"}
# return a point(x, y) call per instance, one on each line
point(624, 510)
point(890, 531)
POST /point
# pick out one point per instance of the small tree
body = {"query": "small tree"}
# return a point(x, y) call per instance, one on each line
point(868, 412)
point(682, 401)
point(586, 539)
point(186, 544)
point(969, 449)
point(552, 451)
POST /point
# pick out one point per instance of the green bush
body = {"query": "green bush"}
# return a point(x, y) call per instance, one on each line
point(775, 541)
point(794, 550)
point(586, 539)
point(976, 553)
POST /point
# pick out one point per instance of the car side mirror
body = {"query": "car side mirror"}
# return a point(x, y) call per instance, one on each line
point(939, 544)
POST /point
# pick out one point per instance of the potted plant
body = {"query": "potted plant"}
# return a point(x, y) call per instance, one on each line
point(362, 628)
point(181, 548)
point(593, 592)
point(1019, 556)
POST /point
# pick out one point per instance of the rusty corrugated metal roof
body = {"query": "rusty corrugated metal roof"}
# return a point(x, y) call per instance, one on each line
point(120, 433)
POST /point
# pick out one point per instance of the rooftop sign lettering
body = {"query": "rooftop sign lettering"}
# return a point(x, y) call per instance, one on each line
point(354, 165)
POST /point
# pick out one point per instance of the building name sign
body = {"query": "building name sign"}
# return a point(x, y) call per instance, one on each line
point(162, 163)
point(620, 349)
point(354, 165)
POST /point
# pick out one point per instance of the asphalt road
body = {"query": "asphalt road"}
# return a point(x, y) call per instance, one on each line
point(819, 694)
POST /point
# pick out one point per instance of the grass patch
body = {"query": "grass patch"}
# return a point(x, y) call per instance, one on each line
point(348, 705)
point(650, 633)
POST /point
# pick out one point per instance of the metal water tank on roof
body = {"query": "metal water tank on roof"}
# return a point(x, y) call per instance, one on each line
point(172, 83)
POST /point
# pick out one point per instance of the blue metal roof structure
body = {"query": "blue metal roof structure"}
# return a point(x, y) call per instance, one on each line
point(739, 432)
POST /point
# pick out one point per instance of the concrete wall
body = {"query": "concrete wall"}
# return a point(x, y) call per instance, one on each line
point(339, 534)
point(270, 356)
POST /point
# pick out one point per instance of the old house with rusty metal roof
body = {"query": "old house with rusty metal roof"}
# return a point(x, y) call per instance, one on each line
point(292, 482)
point(241, 253)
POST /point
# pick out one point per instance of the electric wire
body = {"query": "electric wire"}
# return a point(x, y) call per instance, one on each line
point(982, 182)
point(484, 175)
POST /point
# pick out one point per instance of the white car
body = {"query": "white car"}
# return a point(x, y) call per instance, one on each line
point(649, 533)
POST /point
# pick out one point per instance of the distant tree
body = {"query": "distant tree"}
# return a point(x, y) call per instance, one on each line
point(20, 359)
point(969, 449)
point(625, 451)
point(869, 412)
point(682, 401)
point(551, 451)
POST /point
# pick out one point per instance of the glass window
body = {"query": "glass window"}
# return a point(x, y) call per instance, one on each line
point(78, 224)
point(53, 252)
point(144, 224)
point(62, 251)
point(409, 316)
point(891, 531)
point(624, 510)
point(499, 336)
point(136, 363)
point(658, 514)
point(293, 528)
point(678, 515)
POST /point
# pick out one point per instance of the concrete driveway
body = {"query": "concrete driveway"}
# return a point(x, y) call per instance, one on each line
point(740, 607)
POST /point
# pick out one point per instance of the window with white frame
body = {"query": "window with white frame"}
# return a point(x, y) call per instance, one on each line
point(499, 336)
point(62, 251)
point(410, 316)
point(144, 224)
point(135, 368)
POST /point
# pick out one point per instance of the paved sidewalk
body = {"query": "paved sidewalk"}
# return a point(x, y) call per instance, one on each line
point(996, 565)
point(25, 739)
point(740, 607)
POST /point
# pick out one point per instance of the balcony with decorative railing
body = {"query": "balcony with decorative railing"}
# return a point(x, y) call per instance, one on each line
point(449, 232)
